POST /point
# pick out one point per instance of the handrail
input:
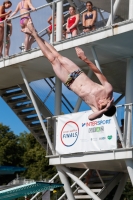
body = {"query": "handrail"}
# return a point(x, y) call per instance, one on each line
point(38, 8)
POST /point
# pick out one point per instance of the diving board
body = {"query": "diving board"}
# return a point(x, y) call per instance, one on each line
point(27, 189)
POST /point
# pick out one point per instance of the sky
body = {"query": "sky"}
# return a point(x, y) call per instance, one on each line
point(7, 116)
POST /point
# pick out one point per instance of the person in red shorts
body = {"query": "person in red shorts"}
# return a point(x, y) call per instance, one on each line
point(49, 29)
point(72, 22)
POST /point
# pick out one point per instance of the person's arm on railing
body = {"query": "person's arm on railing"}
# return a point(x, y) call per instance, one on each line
point(83, 20)
point(31, 6)
point(15, 12)
point(94, 17)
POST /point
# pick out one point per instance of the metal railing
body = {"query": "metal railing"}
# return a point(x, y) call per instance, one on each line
point(114, 8)
point(21, 181)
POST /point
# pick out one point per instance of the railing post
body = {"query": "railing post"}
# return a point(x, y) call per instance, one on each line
point(130, 9)
point(115, 7)
point(53, 16)
point(129, 99)
point(5, 29)
point(59, 14)
point(112, 17)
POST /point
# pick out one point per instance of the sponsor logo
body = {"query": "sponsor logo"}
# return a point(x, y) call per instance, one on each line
point(96, 129)
point(93, 139)
point(83, 124)
point(109, 137)
point(102, 138)
point(96, 123)
point(69, 133)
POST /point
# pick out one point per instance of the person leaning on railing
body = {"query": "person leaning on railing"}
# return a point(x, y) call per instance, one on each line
point(72, 23)
point(89, 18)
point(6, 4)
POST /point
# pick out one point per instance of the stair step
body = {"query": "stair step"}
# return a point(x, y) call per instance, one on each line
point(13, 93)
point(35, 125)
point(10, 88)
point(22, 106)
point(82, 197)
point(95, 185)
point(27, 113)
point(18, 100)
point(93, 190)
point(31, 119)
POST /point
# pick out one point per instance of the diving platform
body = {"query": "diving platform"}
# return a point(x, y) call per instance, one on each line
point(112, 44)
point(111, 160)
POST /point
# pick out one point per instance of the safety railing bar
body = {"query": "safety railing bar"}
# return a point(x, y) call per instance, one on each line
point(127, 104)
point(38, 8)
point(43, 30)
point(74, 183)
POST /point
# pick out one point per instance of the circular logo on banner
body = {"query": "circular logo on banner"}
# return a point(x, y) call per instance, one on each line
point(69, 134)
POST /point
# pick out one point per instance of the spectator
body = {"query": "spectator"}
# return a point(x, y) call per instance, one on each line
point(25, 21)
point(89, 18)
point(6, 4)
point(49, 30)
point(72, 23)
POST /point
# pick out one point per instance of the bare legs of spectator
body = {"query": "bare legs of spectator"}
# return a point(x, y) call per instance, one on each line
point(1, 38)
point(28, 41)
point(7, 47)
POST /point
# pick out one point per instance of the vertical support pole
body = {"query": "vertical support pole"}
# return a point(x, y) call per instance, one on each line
point(59, 14)
point(37, 110)
point(129, 99)
point(53, 16)
point(95, 58)
point(5, 28)
point(121, 187)
point(130, 9)
point(62, 175)
point(64, 180)
point(112, 16)
point(80, 183)
point(115, 7)
point(58, 89)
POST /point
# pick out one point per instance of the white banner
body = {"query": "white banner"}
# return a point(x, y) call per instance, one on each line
point(75, 133)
